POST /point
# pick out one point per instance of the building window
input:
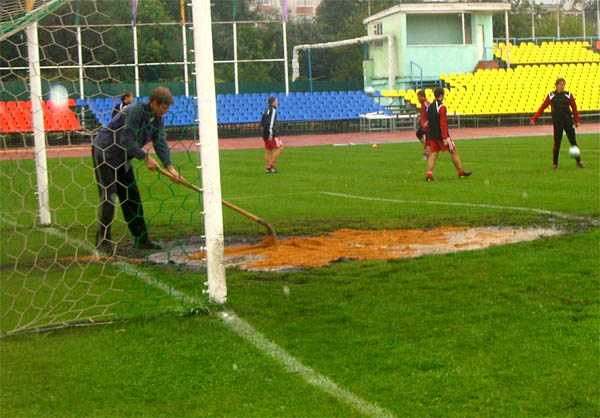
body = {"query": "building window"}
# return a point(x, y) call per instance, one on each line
point(266, 2)
point(305, 3)
point(438, 29)
point(468, 35)
point(378, 30)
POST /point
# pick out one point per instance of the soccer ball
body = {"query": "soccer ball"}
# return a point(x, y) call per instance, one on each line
point(574, 151)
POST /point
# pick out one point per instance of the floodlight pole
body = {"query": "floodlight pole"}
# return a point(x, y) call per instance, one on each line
point(285, 58)
point(135, 62)
point(186, 77)
point(533, 20)
point(507, 39)
point(39, 133)
point(80, 63)
point(209, 150)
point(235, 58)
point(598, 17)
point(557, 19)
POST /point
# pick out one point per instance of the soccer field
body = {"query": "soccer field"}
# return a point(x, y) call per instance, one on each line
point(508, 330)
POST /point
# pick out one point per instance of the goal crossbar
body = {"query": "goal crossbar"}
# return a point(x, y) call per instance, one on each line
point(348, 42)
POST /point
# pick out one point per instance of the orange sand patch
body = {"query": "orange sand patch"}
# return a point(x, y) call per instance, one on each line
point(361, 245)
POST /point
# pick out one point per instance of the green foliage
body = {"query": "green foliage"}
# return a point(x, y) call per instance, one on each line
point(544, 20)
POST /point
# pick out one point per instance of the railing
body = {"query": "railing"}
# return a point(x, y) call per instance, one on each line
point(412, 63)
point(539, 39)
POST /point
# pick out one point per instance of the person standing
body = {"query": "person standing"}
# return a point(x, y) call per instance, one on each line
point(121, 140)
point(126, 99)
point(423, 131)
point(561, 102)
point(439, 138)
point(273, 145)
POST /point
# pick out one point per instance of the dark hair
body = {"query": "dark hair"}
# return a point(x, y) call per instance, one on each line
point(439, 91)
point(162, 96)
point(272, 100)
point(126, 94)
point(421, 93)
point(560, 80)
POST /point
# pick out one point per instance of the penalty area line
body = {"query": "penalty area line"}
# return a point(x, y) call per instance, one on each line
point(242, 329)
point(476, 205)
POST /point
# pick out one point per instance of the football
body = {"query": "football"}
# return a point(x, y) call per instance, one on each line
point(574, 151)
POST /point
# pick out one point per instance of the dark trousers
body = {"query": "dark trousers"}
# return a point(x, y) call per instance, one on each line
point(118, 183)
point(558, 135)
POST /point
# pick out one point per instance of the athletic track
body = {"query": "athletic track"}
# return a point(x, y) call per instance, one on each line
point(315, 140)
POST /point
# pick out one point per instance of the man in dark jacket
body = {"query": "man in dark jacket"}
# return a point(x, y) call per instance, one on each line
point(561, 102)
point(113, 148)
point(273, 145)
point(126, 99)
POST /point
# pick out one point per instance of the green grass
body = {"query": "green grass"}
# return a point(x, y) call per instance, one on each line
point(509, 330)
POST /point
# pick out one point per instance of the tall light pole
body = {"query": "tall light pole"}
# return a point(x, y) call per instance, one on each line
point(598, 17)
point(558, 19)
point(533, 20)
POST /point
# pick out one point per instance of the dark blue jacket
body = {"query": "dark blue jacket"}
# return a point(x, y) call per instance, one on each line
point(125, 135)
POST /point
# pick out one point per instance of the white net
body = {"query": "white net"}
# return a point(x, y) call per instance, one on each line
point(54, 274)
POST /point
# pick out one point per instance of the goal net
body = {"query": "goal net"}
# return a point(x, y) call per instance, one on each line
point(65, 66)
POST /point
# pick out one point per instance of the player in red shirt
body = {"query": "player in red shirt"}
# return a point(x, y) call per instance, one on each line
point(273, 145)
point(423, 131)
point(561, 102)
point(439, 138)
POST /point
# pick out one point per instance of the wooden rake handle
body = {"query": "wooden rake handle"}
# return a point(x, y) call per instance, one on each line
point(224, 202)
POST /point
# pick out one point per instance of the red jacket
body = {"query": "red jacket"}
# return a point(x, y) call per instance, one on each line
point(423, 117)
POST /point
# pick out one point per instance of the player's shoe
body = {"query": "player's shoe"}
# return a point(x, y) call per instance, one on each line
point(429, 178)
point(465, 174)
point(106, 248)
point(580, 164)
point(554, 166)
point(273, 170)
point(148, 244)
point(268, 170)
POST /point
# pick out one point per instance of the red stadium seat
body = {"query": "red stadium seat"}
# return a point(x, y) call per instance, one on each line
point(18, 117)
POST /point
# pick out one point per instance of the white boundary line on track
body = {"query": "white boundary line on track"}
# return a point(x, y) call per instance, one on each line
point(477, 205)
point(244, 330)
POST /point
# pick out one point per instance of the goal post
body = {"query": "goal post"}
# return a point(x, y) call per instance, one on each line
point(209, 150)
point(51, 272)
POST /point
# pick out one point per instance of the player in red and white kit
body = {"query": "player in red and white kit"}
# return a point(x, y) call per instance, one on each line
point(273, 145)
point(423, 131)
point(561, 102)
point(439, 138)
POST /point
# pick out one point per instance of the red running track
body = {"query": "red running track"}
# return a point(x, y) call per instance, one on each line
point(315, 140)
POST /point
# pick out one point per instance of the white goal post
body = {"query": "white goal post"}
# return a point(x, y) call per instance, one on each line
point(209, 150)
point(348, 42)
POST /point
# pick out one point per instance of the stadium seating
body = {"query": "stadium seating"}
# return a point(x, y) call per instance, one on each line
point(547, 52)
point(15, 116)
point(248, 107)
point(516, 91)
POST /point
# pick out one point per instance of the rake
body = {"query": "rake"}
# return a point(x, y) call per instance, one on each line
point(270, 240)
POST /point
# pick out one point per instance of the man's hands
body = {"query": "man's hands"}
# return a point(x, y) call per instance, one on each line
point(153, 165)
point(448, 143)
point(175, 175)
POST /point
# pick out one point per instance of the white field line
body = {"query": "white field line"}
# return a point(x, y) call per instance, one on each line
point(244, 330)
point(477, 205)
